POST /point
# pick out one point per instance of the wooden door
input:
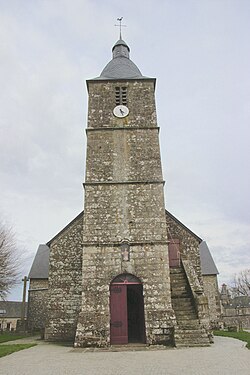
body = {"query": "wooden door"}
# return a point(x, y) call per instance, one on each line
point(174, 253)
point(118, 314)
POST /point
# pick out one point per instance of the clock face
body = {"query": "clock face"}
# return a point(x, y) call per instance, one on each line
point(121, 111)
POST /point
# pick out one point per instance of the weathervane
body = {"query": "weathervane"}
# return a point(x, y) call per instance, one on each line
point(120, 21)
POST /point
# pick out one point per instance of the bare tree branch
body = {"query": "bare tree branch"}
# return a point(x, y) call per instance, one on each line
point(241, 283)
point(9, 267)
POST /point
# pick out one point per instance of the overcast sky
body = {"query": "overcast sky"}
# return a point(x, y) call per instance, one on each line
point(198, 50)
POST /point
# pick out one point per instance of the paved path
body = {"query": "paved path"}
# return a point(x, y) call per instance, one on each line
point(226, 357)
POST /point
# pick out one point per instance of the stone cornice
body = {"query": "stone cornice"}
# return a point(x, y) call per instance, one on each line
point(124, 183)
point(123, 128)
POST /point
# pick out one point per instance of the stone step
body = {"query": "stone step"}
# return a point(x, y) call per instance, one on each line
point(175, 283)
point(188, 331)
point(174, 270)
point(182, 305)
point(181, 294)
point(186, 312)
point(182, 317)
point(192, 338)
point(177, 276)
point(182, 300)
point(191, 345)
point(188, 323)
point(180, 282)
point(180, 289)
point(191, 335)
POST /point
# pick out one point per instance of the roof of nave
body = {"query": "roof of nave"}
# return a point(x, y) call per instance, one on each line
point(40, 265)
point(208, 266)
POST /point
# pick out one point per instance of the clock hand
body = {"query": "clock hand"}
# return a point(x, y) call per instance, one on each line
point(122, 112)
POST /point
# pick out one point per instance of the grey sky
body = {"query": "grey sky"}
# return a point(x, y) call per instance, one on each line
point(199, 51)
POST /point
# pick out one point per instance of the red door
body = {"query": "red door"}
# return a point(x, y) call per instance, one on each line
point(174, 253)
point(118, 314)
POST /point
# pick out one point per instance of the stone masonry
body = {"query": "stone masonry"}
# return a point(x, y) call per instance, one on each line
point(123, 206)
point(37, 306)
point(210, 284)
point(123, 202)
point(65, 274)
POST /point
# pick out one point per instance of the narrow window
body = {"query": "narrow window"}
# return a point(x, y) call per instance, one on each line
point(121, 95)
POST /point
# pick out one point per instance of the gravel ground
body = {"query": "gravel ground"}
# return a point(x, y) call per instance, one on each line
point(225, 357)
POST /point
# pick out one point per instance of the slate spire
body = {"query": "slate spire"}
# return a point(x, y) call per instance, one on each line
point(120, 67)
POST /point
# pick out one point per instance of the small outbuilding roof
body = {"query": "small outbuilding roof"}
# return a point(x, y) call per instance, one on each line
point(208, 266)
point(40, 265)
point(240, 301)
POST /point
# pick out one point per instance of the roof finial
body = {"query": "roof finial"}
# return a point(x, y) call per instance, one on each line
point(120, 20)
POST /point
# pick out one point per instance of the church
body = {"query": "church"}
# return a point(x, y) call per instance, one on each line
point(125, 270)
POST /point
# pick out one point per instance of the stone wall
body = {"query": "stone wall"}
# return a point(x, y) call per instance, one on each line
point(65, 278)
point(210, 284)
point(116, 212)
point(123, 202)
point(147, 262)
point(236, 317)
point(190, 257)
point(140, 101)
point(37, 304)
point(189, 243)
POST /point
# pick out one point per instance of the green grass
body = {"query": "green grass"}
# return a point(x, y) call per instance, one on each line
point(8, 349)
point(6, 336)
point(241, 335)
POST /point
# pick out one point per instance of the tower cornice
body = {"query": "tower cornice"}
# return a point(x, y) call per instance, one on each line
point(101, 80)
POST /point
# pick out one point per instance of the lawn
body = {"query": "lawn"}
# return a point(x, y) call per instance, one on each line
point(242, 335)
point(6, 336)
point(8, 349)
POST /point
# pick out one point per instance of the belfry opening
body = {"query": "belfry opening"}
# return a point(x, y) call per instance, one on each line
point(127, 322)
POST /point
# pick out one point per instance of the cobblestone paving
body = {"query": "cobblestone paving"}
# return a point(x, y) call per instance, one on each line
point(226, 357)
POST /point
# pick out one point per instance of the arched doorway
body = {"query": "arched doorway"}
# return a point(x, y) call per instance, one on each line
point(127, 323)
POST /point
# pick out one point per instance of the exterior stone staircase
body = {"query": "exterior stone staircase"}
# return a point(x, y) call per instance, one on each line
point(188, 331)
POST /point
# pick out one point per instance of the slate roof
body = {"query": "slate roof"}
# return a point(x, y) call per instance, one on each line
point(241, 301)
point(120, 67)
point(40, 265)
point(11, 309)
point(208, 266)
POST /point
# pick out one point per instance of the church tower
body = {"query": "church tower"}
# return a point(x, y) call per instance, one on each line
point(126, 293)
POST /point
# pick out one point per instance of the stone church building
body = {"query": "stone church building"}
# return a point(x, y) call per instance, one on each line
point(125, 270)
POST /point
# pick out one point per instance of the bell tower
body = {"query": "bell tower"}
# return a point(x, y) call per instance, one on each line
point(125, 270)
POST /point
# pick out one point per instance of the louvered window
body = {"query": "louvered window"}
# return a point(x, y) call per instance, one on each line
point(121, 95)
